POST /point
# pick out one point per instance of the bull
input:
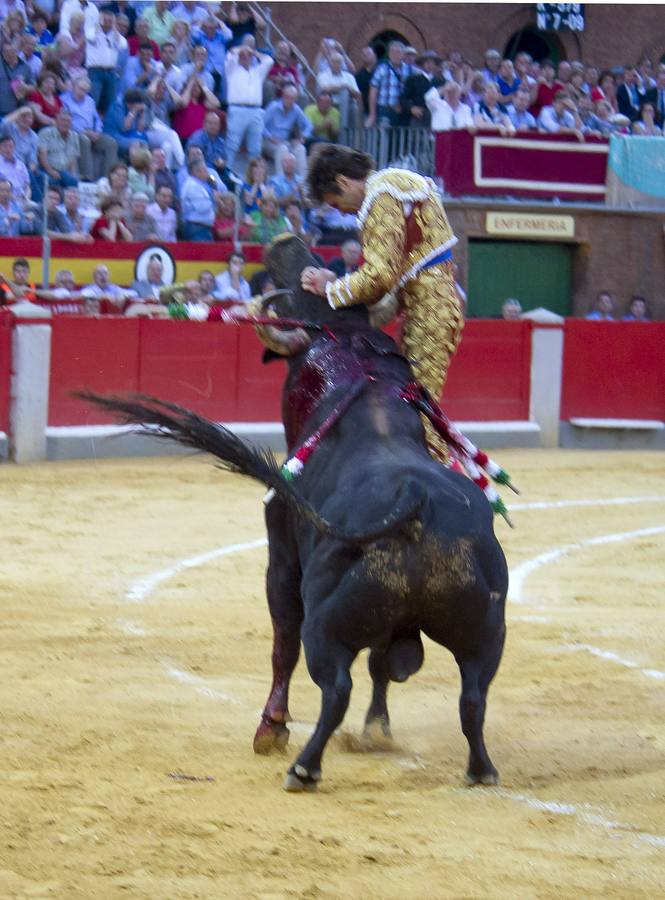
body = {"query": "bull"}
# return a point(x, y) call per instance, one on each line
point(374, 543)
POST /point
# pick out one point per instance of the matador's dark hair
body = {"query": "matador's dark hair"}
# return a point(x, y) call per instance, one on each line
point(329, 160)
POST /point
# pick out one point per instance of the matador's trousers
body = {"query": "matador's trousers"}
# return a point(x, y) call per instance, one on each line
point(431, 330)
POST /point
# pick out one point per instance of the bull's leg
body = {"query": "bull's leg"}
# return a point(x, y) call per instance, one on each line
point(477, 673)
point(285, 604)
point(329, 665)
point(377, 720)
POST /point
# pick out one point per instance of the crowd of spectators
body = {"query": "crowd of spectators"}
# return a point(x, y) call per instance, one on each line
point(166, 120)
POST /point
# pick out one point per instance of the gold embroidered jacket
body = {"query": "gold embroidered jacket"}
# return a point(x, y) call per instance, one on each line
point(404, 227)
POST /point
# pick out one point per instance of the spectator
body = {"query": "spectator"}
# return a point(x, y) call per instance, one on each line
point(98, 151)
point(16, 80)
point(446, 109)
point(11, 213)
point(638, 311)
point(507, 81)
point(57, 224)
point(59, 151)
point(645, 74)
point(343, 88)
point(19, 125)
point(198, 68)
point(349, 261)
point(19, 288)
point(111, 226)
point(39, 27)
point(489, 113)
point(67, 56)
point(267, 221)
point(603, 308)
point(246, 71)
point(212, 144)
point(160, 21)
point(142, 69)
point(90, 13)
point(214, 36)
point(608, 88)
point(604, 116)
point(224, 228)
point(518, 111)
point(44, 101)
point(162, 213)
point(170, 72)
point(207, 293)
point(142, 225)
point(286, 127)
point(296, 224)
point(630, 94)
point(591, 86)
point(196, 101)
point(563, 72)
point(103, 46)
point(161, 176)
point(162, 100)
point(591, 124)
point(124, 9)
point(417, 86)
point(324, 118)
point(255, 185)
point(151, 286)
point(76, 221)
point(492, 65)
point(656, 96)
point(13, 170)
point(281, 73)
point(195, 153)
point(232, 284)
point(522, 65)
point(29, 53)
point(142, 36)
point(243, 21)
point(116, 184)
point(646, 124)
point(561, 117)
point(386, 88)
point(129, 120)
point(182, 39)
point(288, 187)
point(547, 87)
point(511, 310)
point(333, 225)
point(364, 75)
point(474, 89)
point(103, 289)
point(198, 204)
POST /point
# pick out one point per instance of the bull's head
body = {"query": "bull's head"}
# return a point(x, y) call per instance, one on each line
point(286, 258)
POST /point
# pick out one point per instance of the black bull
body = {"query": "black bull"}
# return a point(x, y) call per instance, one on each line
point(372, 544)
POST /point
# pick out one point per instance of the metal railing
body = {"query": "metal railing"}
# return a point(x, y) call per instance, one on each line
point(265, 12)
point(406, 147)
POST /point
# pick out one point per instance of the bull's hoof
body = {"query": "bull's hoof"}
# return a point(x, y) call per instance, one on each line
point(270, 736)
point(377, 732)
point(298, 779)
point(488, 778)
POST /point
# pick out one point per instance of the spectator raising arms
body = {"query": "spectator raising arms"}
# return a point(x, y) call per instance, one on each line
point(111, 226)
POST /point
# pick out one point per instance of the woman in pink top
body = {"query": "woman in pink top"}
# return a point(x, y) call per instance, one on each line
point(196, 100)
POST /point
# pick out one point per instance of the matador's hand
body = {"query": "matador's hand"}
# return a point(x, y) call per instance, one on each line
point(314, 280)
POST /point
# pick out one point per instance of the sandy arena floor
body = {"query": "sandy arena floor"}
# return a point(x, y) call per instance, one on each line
point(119, 666)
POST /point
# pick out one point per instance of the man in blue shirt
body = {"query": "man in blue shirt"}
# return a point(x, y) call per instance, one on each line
point(288, 186)
point(285, 128)
point(518, 111)
point(213, 147)
point(214, 36)
point(98, 151)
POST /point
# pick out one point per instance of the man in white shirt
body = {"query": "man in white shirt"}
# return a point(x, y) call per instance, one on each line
point(342, 86)
point(448, 112)
point(103, 43)
point(87, 7)
point(164, 215)
point(246, 70)
point(561, 117)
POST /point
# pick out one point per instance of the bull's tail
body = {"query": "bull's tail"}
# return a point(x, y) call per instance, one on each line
point(166, 420)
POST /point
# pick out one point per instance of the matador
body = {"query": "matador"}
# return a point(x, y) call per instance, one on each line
point(407, 250)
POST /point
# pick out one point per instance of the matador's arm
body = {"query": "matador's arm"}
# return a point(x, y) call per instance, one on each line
point(384, 236)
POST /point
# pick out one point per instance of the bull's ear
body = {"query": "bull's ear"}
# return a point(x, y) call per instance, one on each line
point(271, 356)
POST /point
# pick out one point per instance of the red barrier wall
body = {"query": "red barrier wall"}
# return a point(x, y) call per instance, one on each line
point(613, 370)
point(6, 322)
point(216, 369)
point(489, 376)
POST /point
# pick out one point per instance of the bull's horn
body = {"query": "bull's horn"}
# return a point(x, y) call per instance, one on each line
point(264, 300)
point(285, 343)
